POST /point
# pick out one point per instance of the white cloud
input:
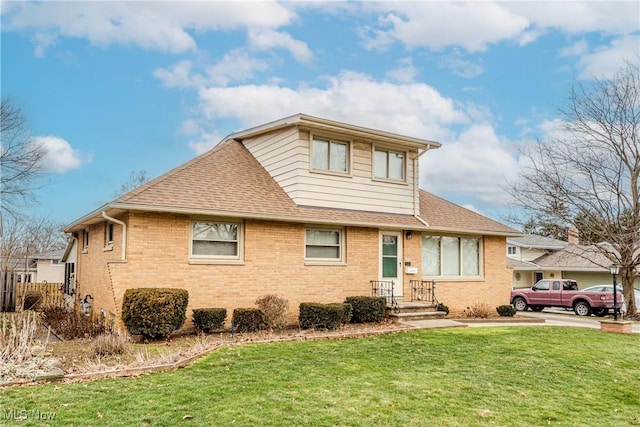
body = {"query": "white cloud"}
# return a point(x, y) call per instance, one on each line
point(414, 109)
point(437, 24)
point(477, 164)
point(235, 66)
point(179, 75)
point(405, 71)
point(206, 142)
point(161, 26)
point(605, 61)
point(60, 157)
point(459, 66)
point(269, 39)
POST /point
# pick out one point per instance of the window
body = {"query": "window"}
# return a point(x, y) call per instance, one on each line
point(323, 245)
point(108, 235)
point(388, 164)
point(85, 240)
point(329, 155)
point(511, 250)
point(216, 240)
point(450, 256)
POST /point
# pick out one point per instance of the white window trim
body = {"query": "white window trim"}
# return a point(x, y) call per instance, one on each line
point(218, 259)
point(108, 243)
point(349, 160)
point(389, 150)
point(326, 261)
point(459, 278)
point(85, 240)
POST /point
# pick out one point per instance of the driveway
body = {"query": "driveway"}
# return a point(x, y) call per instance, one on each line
point(549, 316)
point(560, 317)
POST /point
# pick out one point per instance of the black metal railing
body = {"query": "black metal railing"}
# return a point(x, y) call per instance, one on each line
point(384, 288)
point(424, 291)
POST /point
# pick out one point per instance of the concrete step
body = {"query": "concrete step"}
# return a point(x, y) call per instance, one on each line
point(416, 315)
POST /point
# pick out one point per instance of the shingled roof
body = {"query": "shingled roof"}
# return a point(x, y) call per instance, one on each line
point(229, 181)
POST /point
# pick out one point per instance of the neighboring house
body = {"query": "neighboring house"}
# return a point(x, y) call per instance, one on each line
point(536, 257)
point(37, 268)
point(309, 209)
point(49, 267)
point(523, 251)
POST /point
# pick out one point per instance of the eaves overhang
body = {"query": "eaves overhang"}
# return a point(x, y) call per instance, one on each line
point(311, 122)
point(115, 209)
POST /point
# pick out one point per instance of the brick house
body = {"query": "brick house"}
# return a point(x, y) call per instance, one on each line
point(307, 208)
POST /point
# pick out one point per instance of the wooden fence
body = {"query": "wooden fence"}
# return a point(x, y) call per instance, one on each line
point(52, 294)
point(8, 284)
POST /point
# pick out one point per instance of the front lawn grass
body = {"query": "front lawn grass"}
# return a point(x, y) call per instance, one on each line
point(505, 376)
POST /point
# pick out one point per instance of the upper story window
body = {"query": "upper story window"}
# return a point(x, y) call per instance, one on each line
point(389, 164)
point(216, 241)
point(108, 235)
point(451, 256)
point(511, 250)
point(85, 240)
point(329, 155)
point(323, 245)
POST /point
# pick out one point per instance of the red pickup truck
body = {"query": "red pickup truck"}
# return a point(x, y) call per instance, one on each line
point(563, 293)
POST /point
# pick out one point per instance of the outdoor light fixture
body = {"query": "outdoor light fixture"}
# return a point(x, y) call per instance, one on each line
point(615, 269)
point(409, 234)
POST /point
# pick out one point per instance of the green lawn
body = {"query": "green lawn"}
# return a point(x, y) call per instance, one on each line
point(505, 376)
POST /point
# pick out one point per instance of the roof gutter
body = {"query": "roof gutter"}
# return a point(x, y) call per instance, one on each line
point(124, 233)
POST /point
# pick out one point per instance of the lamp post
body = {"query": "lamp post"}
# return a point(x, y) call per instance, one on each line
point(615, 269)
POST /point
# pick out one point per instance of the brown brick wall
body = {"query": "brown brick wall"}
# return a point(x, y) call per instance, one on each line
point(158, 256)
point(494, 289)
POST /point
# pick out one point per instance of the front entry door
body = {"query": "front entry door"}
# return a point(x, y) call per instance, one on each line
point(391, 259)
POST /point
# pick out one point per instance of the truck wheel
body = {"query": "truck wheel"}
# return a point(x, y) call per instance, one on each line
point(582, 308)
point(600, 312)
point(520, 304)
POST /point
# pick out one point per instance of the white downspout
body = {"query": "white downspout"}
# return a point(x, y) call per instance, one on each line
point(124, 233)
point(416, 186)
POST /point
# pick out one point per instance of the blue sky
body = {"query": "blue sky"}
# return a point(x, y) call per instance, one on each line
point(112, 88)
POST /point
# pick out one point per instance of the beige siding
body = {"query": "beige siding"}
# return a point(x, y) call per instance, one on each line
point(285, 154)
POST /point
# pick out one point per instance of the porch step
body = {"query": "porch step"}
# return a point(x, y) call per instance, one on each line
point(414, 311)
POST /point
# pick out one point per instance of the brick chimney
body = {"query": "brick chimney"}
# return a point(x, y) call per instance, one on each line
point(573, 236)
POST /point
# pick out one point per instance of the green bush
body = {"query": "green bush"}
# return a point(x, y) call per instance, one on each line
point(154, 312)
point(208, 319)
point(367, 309)
point(248, 320)
point(324, 316)
point(506, 310)
point(441, 307)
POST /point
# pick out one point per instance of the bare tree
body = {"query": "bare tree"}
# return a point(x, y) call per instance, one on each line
point(592, 169)
point(24, 237)
point(135, 180)
point(20, 161)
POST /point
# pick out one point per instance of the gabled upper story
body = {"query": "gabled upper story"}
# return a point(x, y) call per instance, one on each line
point(323, 163)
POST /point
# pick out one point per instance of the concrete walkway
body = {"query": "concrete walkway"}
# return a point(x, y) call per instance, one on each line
point(522, 319)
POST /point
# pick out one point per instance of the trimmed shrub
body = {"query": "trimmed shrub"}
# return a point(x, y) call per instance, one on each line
point(441, 307)
point(154, 312)
point(248, 320)
point(274, 310)
point(324, 316)
point(367, 309)
point(208, 319)
point(72, 324)
point(506, 310)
